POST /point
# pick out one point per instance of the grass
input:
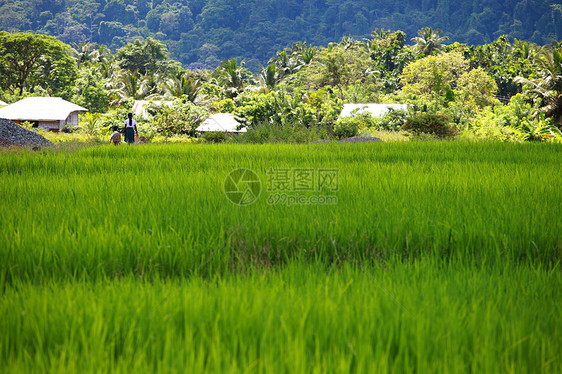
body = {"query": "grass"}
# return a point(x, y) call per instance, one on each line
point(438, 256)
point(408, 317)
point(61, 138)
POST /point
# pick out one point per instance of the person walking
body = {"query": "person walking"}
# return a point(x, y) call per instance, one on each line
point(116, 136)
point(130, 129)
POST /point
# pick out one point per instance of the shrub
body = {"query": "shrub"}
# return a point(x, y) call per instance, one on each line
point(180, 118)
point(214, 136)
point(347, 127)
point(266, 133)
point(391, 120)
point(429, 123)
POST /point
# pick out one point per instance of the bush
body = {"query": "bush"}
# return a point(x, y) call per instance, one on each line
point(180, 118)
point(430, 124)
point(511, 122)
point(392, 120)
point(347, 127)
point(214, 136)
point(266, 133)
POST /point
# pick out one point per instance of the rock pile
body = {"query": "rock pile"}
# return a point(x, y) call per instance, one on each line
point(14, 135)
point(360, 139)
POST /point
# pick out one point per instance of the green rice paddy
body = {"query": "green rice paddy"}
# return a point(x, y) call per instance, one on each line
point(418, 256)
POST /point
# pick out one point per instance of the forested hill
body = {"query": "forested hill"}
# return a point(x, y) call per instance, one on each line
point(200, 33)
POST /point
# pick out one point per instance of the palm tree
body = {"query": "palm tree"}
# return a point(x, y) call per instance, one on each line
point(84, 53)
point(429, 41)
point(131, 85)
point(179, 84)
point(308, 55)
point(269, 77)
point(232, 77)
point(546, 90)
point(91, 123)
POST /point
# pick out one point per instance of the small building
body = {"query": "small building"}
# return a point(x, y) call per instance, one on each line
point(375, 110)
point(49, 113)
point(221, 122)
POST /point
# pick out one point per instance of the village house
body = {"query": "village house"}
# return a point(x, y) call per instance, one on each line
point(48, 113)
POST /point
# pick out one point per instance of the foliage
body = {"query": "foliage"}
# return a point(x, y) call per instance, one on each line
point(546, 89)
point(232, 78)
point(538, 129)
point(391, 120)
point(90, 123)
point(203, 33)
point(428, 41)
point(503, 60)
point(512, 122)
point(390, 55)
point(150, 56)
point(429, 123)
point(339, 67)
point(29, 62)
point(90, 90)
point(475, 88)
point(181, 84)
point(214, 136)
point(349, 126)
point(182, 117)
point(433, 76)
point(266, 133)
point(224, 106)
point(362, 122)
point(315, 109)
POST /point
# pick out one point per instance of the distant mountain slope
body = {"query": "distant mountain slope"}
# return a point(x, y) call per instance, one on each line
point(203, 32)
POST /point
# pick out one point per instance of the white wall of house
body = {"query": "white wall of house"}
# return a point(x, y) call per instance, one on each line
point(72, 119)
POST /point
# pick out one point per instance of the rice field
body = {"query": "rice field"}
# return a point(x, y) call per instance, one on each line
point(387, 257)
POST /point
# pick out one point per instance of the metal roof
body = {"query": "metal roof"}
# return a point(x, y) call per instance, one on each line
point(223, 122)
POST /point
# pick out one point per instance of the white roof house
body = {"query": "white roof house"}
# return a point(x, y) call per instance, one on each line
point(223, 122)
point(3, 103)
point(50, 113)
point(375, 110)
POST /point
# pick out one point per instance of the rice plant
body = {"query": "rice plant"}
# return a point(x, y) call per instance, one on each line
point(433, 257)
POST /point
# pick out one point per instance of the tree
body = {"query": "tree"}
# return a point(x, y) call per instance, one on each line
point(433, 76)
point(504, 61)
point(147, 57)
point(476, 88)
point(429, 41)
point(89, 90)
point(180, 84)
point(232, 77)
point(28, 61)
point(339, 66)
point(390, 55)
point(269, 76)
point(546, 90)
point(85, 53)
point(132, 85)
